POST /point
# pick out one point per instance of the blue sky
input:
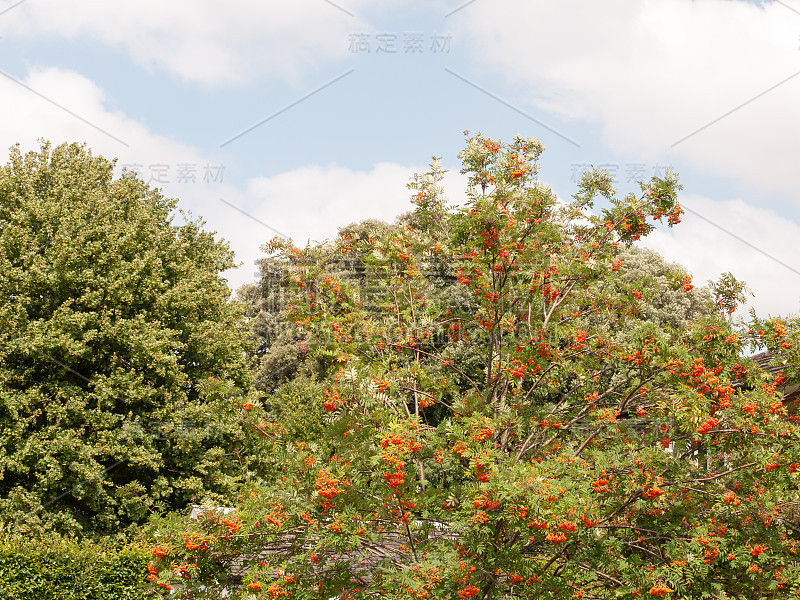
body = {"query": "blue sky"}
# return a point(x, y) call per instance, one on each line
point(345, 100)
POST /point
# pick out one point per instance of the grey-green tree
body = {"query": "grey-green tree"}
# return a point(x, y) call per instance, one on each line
point(112, 316)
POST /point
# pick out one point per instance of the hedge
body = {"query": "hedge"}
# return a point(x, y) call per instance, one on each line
point(45, 569)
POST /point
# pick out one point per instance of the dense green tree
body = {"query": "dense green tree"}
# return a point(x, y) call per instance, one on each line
point(111, 318)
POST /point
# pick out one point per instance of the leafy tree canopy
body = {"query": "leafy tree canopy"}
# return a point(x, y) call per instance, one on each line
point(112, 317)
point(549, 427)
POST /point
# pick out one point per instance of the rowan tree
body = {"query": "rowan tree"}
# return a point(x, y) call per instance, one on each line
point(532, 437)
point(111, 318)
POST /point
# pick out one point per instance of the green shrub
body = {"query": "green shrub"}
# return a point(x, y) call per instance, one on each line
point(45, 569)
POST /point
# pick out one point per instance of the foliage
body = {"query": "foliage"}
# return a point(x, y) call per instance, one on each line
point(729, 293)
point(62, 568)
point(286, 375)
point(534, 435)
point(289, 377)
point(675, 301)
point(111, 318)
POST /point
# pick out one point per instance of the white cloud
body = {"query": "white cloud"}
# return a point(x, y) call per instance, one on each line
point(200, 40)
point(61, 105)
point(67, 107)
point(309, 202)
point(653, 71)
point(82, 115)
point(708, 251)
point(313, 202)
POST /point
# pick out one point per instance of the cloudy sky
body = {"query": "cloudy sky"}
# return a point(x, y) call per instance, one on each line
point(299, 117)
